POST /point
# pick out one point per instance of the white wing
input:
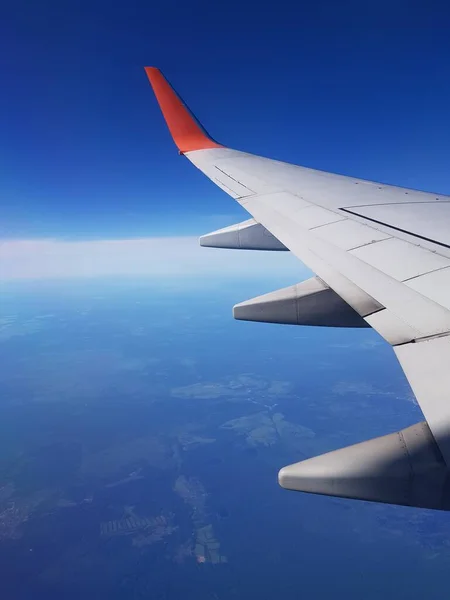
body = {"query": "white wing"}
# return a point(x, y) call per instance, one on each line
point(382, 257)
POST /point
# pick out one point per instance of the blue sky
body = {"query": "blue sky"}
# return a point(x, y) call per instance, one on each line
point(343, 86)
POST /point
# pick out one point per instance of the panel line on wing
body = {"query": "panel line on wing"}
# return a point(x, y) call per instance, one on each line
point(398, 203)
point(339, 220)
point(236, 180)
point(425, 338)
point(369, 244)
point(427, 273)
point(400, 229)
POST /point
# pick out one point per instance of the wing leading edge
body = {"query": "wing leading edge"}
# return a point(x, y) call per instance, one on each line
point(381, 262)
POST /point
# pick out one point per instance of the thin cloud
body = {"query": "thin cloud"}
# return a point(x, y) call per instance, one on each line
point(163, 256)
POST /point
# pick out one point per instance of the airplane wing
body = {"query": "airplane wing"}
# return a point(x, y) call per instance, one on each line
point(381, 255)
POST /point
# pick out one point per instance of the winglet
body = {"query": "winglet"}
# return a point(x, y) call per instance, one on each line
point(186, 131)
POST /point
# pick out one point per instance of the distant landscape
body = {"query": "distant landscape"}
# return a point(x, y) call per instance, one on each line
point(139, 456)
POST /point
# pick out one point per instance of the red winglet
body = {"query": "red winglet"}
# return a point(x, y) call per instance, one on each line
point(186, 131)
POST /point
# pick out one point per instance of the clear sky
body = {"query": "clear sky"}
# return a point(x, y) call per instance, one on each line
point(352, 87)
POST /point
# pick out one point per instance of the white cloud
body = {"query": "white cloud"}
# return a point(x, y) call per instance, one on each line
point(176, 256)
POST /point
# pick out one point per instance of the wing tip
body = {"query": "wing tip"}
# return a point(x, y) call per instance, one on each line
point(187, 132)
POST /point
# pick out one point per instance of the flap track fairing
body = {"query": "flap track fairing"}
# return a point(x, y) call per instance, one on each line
point(404, 468)
point(311, 302)
point(248, 235)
